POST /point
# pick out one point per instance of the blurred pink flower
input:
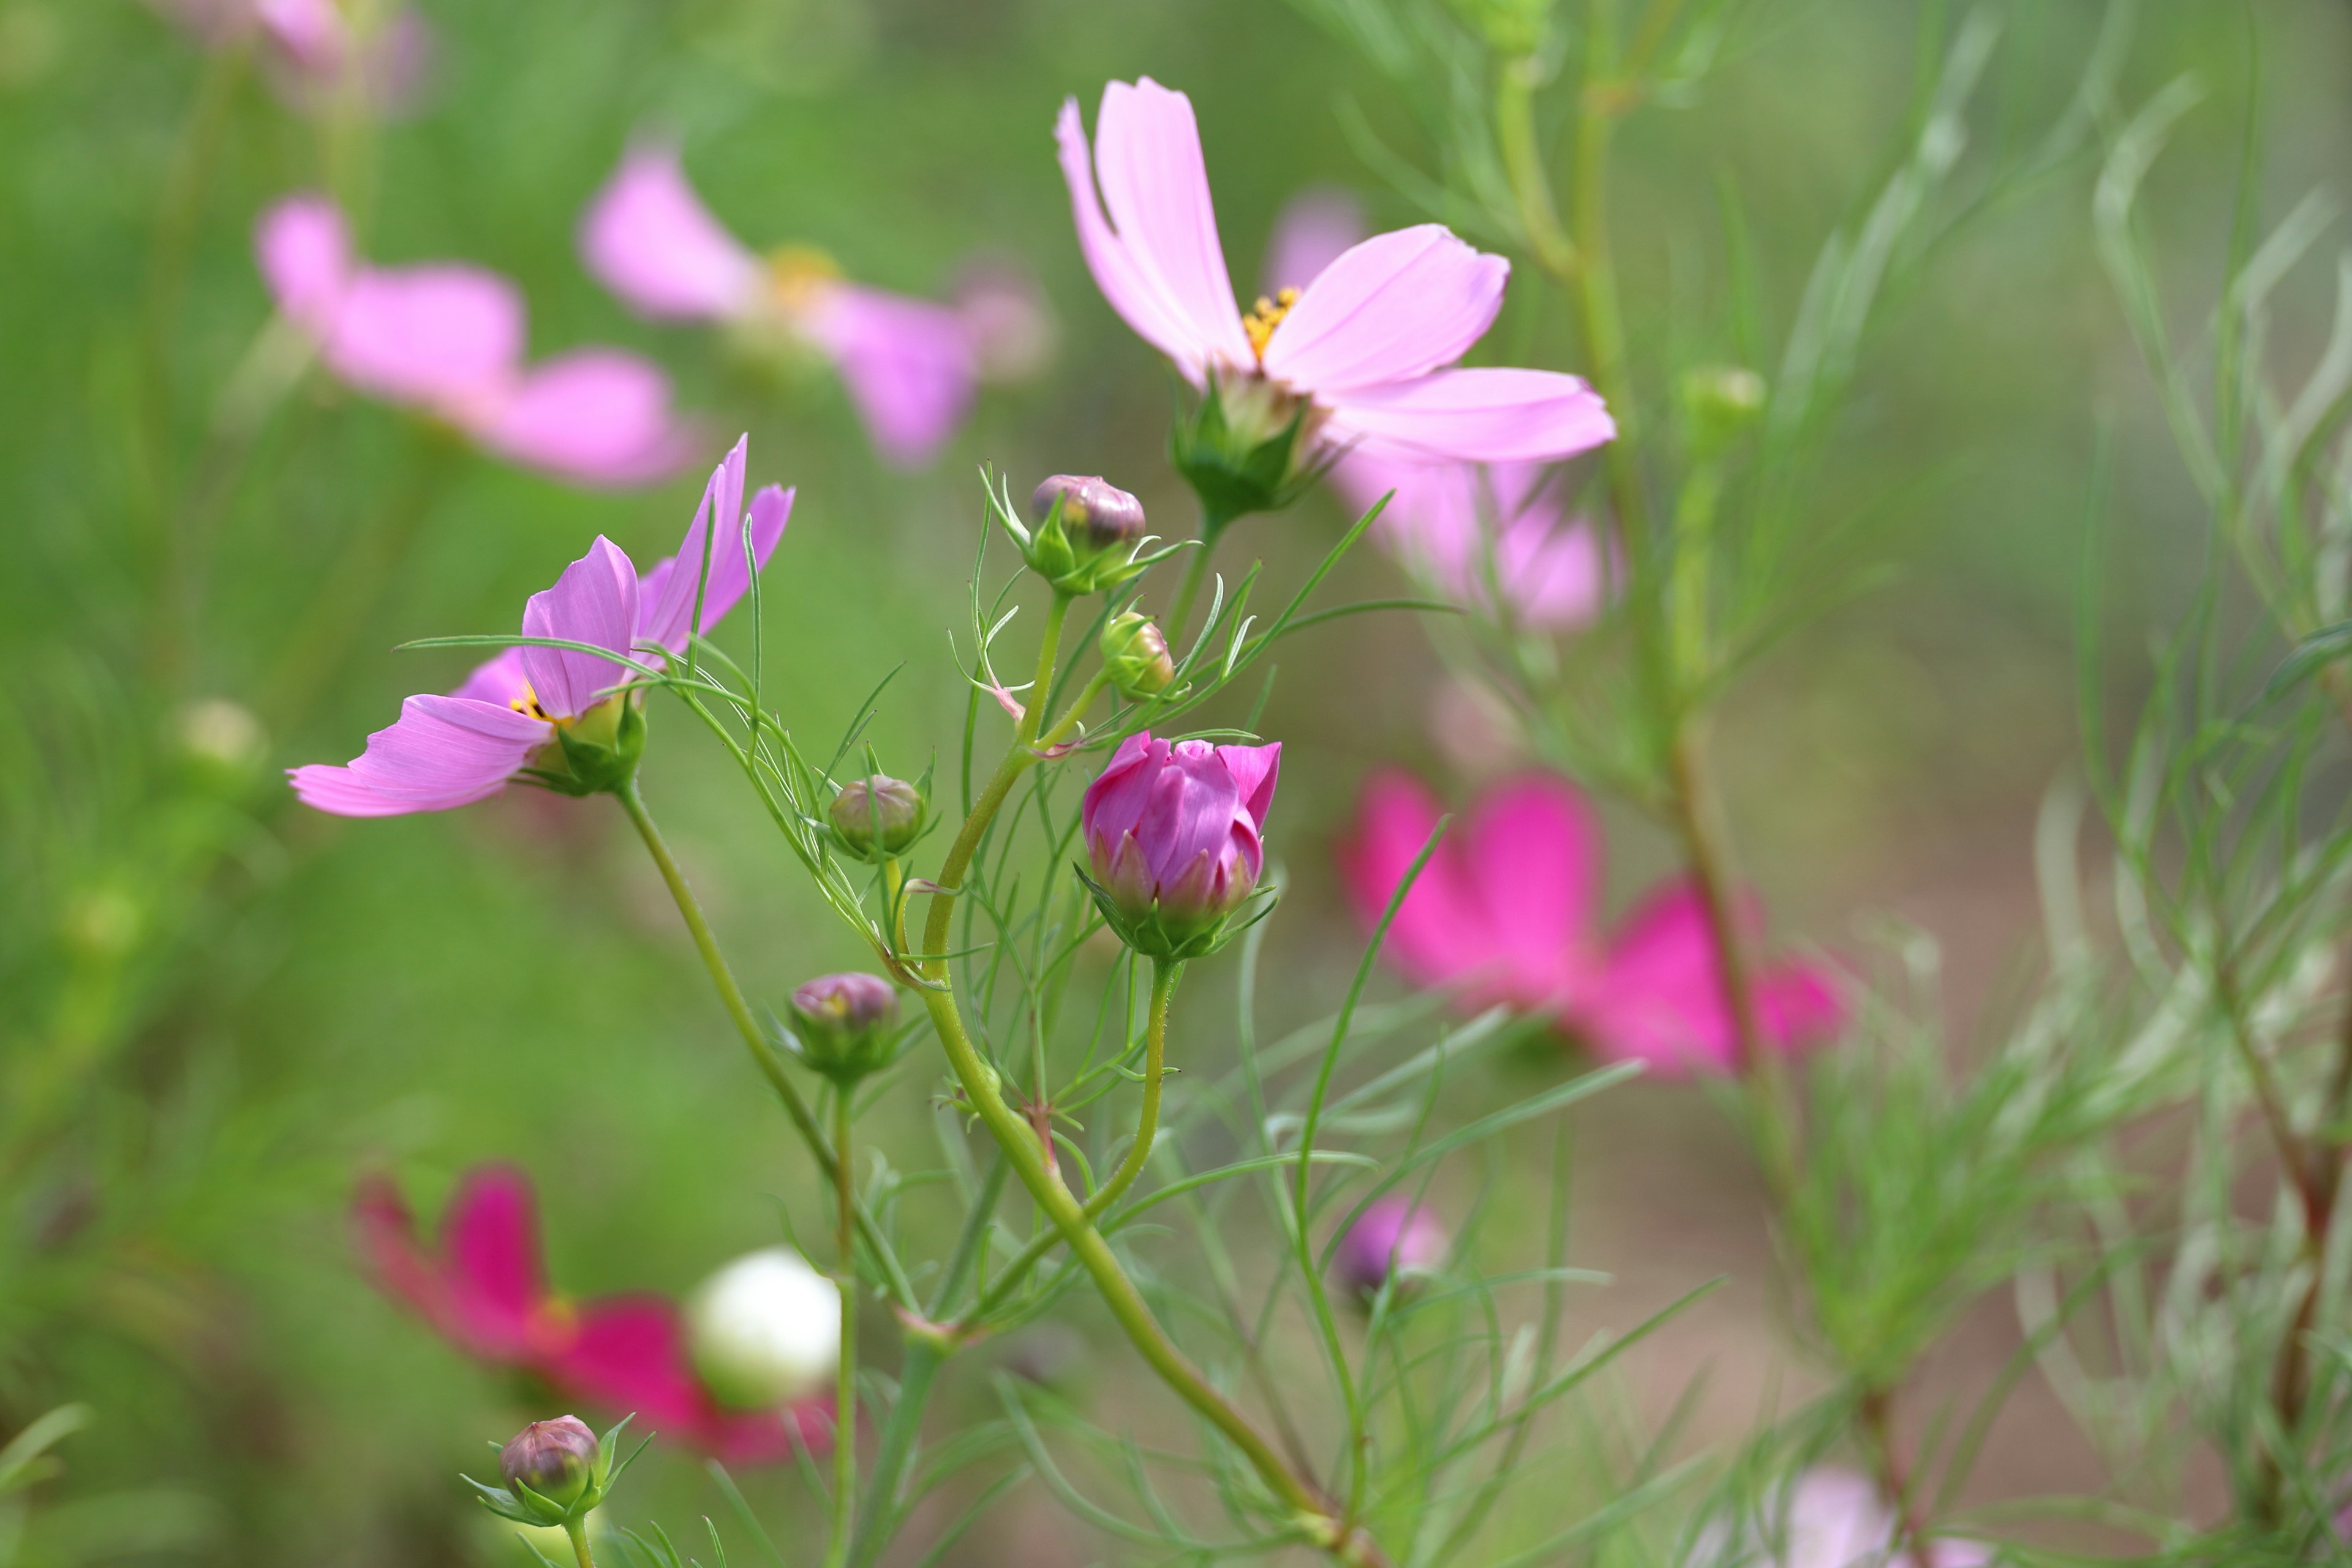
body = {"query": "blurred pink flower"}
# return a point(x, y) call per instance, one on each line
point(1507, 909)
point(1365, 344)
point(1394, 1235)
point(452, 750)
point(483, 1288)
point(909, 364)
point(1836, 1518)
point(316, 51)
point(446, 339)
point(1174, 831)
point(1467, 528)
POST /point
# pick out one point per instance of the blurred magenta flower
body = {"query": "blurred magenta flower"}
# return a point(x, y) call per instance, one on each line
point(1507, 909)
point(1833, 1518)
point(1366, 343)
point(1174, 833)
point(909, 366)
point(452, 750)
point(318, 52)
point(1394, 1236)
point(1467, 528)
point(483, 1288)
point(446, 339)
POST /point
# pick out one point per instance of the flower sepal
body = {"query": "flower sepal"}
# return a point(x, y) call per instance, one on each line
point(577, 1488)
point(1156, 928)
point(601, 749)
point(1248, 448)
point(1082, 538)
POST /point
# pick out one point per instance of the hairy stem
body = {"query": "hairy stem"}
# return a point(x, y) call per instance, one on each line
point(845, 1407)
point(577, 1529)
point(763, 1055)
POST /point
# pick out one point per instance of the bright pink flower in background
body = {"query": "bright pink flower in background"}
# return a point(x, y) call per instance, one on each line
point(1507, 909)
point(909, 364)
point(316, 55)
point(483, 1288)
point(1365, 342)
point(452, 750)
point(1465, 528)
point(446, 339)
point(1177, 827)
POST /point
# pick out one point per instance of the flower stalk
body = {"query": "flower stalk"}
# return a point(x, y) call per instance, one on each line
point(844, 1417)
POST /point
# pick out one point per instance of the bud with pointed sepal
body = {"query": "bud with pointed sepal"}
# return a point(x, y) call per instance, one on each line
point(1250, 447)
point(843, 1024)
point(556, 1472)
point(1086, 536)
point(1173, 838)
point(1134, 656)
point(876, 816)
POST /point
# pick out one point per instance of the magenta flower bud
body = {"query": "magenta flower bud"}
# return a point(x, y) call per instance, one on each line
point(1096, 514)
point(554, 1458)
point(1173, 834)
point(877, 815)
point(845, 1023)
point(1392, 1240)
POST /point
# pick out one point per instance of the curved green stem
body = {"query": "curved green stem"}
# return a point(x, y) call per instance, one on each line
point(763, 1055)
point(1196, 573)
point(845, 1409)
point(577, 1529)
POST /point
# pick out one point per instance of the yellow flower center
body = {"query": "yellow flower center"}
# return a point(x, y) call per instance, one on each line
point(526, 703)
point(1264, 316)
point(796, 273)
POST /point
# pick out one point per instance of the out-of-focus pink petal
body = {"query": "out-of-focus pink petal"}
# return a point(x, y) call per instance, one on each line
point(1469, 529)
point(1532, 852)
point(1554, 574)
point(385, 1234)
point(650, 240)
point(1439, 936)
point(1396, 307)
point(499, 680)
point(1799, 1004)
point(908, 364)
point(595, 416)
point(629, 1354)
point(1314, 228)
point(595, 600)
point(1480, 415)
point(1255, 770)
point(442, 753)
point(489, 1236)
point(312, 33)
point(304, 251)
point(1660, 998)
point(1006, 319)
point(437, 336)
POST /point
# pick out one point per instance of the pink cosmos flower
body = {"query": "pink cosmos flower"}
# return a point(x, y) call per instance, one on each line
point(1467, 528)
point(1836, 1518)
point(483, 1288)
point(1507, 909)
point(1174, 831)
point(315, 53)
point(909, 364)
point(448, 751)
point(1365, 344)
point(446, 339)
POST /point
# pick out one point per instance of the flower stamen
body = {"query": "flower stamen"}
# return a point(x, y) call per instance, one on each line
point(526, 703)
point(1264, 316)
point(797, 273)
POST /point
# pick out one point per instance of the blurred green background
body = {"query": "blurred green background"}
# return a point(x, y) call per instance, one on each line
point(215, 1010)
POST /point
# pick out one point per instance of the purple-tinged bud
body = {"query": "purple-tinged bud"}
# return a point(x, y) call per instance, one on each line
point(845, 1023)
point(1392, 1240)
point(1174, 836)
point(554, 1458)
point(1134, 656)
point(1097, 515)
point(876, 816)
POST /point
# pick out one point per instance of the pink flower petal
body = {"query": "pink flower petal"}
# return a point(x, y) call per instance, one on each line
point(1255, 770)
point(1468, 529)
point(437, 336)
point(665, 595)
point(1441, 935)
point(304, 251)
point(444, 752)
point(908, 364)
point(595, 600)
point(1396, 307)
point(595, 416)
point(628, 1355)
point(650, 240)
point(489, 1236)
point(1533, 853)
point(1661, 999)
point(1474, 416)
point(1135, 282)
point(1315, 227)
point(312, 33)
point(499, 680)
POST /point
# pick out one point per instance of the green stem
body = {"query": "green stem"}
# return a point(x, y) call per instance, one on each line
point(763, 1055)
point(1598, 102)
point(1515, 134)
point(577, 1529)
point(926, 1353)
point(1196, 573)
point(845, 1409)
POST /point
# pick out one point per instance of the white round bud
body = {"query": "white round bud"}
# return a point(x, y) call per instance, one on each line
point(765, 1330)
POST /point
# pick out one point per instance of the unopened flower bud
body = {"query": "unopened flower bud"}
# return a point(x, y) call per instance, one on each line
point(876, 816)
point(1097, 515)
point(221, 738)
point(1718, 404)
point(764, 1330)
point(844, 1023)
point(1173, 839)
point(1135, 654)
point(1393, 1239)
point(554, 1458)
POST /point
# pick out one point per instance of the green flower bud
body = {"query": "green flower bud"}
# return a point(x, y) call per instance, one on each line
point(876, 816)
point(601, 747)
point(844, 1023)
point(1250, 447)
point(1135, 653)
point(1720, 403)
point(556, 1459)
